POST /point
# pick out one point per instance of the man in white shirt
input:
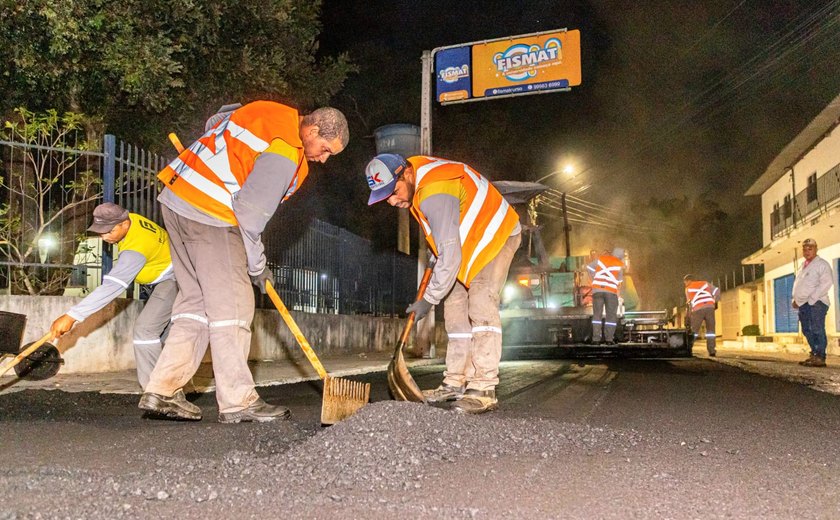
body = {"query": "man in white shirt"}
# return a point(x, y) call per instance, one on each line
point(810, 296)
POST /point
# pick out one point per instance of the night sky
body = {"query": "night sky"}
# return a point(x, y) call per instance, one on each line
point(678, 99)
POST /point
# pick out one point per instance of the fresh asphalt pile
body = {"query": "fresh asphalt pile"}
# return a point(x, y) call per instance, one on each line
point(371, 464)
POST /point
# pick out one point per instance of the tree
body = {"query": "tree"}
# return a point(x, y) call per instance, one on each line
point(163, 63)
point(49, 182)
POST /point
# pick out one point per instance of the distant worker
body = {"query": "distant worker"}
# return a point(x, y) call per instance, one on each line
point(143, 257)
point(810, 296)
point(218, 196)
point(702, 298)
point(607, 274)
point(474, 234)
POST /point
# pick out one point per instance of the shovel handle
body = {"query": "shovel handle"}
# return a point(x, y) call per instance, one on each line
point(424, 282)
point(301, 339)
point(175, 142)
point(32, 348)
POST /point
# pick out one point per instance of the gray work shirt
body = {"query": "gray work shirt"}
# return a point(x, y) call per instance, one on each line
point(813, 282)
point(443, 211)
point(253, 204)
point(122, 275)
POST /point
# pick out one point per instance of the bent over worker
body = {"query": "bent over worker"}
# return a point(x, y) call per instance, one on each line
point(702, 298)
point(474, 233)
point(143, 257)
point(219, 195)
point(607, 275)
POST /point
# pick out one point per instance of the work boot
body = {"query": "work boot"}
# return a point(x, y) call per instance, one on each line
point(443, 393)
point(815, 361)
point(259, 411)
point(476, 402)
point(807, 362)
point(175, 407)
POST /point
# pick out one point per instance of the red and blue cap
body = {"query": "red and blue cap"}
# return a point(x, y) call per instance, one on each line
point(382, 173)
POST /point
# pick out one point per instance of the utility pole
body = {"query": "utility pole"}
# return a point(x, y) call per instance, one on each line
point(566, 226)
point(425, 338)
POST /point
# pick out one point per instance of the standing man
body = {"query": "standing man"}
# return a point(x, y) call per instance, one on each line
point(810, 296)
point(143, 257)
point(702, 298)
point(219, 195)
point(607, 274)
point(474, 233)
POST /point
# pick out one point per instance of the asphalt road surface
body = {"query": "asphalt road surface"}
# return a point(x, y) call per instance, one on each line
point(602, 439)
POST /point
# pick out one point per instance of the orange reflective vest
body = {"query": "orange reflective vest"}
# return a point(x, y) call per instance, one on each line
point(700, 294)
point(212, 169)
point(486, 219)
point(606, 275)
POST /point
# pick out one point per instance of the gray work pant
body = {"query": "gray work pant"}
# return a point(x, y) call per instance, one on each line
point(604, 301)
point(698, 316)
point(150, 328)
point(474, 326)
point(215, 303)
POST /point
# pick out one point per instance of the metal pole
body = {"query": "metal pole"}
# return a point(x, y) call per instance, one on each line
point(566, 226)
point(425, 339)
point(108, 181)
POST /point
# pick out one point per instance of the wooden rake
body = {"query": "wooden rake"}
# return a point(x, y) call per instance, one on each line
point(342, 397)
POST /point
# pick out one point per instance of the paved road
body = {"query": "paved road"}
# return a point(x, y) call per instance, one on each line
point(610, 439)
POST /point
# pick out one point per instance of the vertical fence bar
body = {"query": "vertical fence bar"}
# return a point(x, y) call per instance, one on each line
point(109, 148)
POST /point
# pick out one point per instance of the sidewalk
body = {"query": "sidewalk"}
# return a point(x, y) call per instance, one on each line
point(266, 373)
point(780, 365)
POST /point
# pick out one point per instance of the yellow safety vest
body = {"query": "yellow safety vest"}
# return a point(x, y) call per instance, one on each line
point(151, 241)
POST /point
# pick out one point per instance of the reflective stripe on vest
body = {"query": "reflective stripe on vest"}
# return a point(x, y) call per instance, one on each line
point(606, 276)
point(699, 295)
point(214, 168)
point(486, 218)
point(151, 241)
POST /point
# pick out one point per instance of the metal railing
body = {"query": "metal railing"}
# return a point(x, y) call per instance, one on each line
point(742, 276)
point(816, 198)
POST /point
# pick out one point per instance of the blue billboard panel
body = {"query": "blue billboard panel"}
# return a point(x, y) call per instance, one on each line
point(452, 74)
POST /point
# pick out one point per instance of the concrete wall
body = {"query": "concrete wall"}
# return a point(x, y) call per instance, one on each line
point(102, 343)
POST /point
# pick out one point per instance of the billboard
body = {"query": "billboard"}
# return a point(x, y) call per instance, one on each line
point(519, 65)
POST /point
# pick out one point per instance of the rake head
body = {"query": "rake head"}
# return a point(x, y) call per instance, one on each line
point(342, 398)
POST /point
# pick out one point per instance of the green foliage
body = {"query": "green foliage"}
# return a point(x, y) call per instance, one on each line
point(50, 190)
point(162, 63)
point(751, 330)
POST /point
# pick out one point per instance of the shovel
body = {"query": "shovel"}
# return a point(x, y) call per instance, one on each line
point(402, 385)
point(342, 397)
point(27, 352)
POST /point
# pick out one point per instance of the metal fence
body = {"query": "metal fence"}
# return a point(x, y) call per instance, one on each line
point(818, 196)
point(741, 276)
point(48, 194)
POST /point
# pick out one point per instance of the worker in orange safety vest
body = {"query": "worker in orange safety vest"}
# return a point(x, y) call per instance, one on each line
point(702, 298)
point(218, 196)
point(606, 274)
point(474, 233)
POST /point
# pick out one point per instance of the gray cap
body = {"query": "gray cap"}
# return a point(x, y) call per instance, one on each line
point(618, 252)
point(809, 242)
point(106, 216)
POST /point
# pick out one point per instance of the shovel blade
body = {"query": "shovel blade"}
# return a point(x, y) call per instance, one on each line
point(402, 385)
point(342, 398)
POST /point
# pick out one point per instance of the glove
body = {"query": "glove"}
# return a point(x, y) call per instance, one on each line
point(260, 279)
point(420, 308)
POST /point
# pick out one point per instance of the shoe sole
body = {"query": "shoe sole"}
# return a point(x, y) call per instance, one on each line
point(490, 408)
point(251, 418)
point(159, 408)
point(447, 400)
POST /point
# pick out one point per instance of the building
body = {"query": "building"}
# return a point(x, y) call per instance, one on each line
point(800, 198)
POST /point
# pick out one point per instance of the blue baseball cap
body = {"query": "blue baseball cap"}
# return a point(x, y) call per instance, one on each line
point(382, 173)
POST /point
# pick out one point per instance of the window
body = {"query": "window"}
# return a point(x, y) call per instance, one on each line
point(787, 209)
point(787, 318)
point(812, 188)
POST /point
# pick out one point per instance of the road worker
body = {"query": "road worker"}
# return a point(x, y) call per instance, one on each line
point(474, 233)
point(143, 248)
point(218, 197)
point(606, 274)
point(702, 298)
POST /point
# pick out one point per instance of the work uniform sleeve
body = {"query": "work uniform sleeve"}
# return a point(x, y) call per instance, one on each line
point(115, 282)
point(591, 269)
point(443, 213)
point(715, 293)
point(259, 197)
